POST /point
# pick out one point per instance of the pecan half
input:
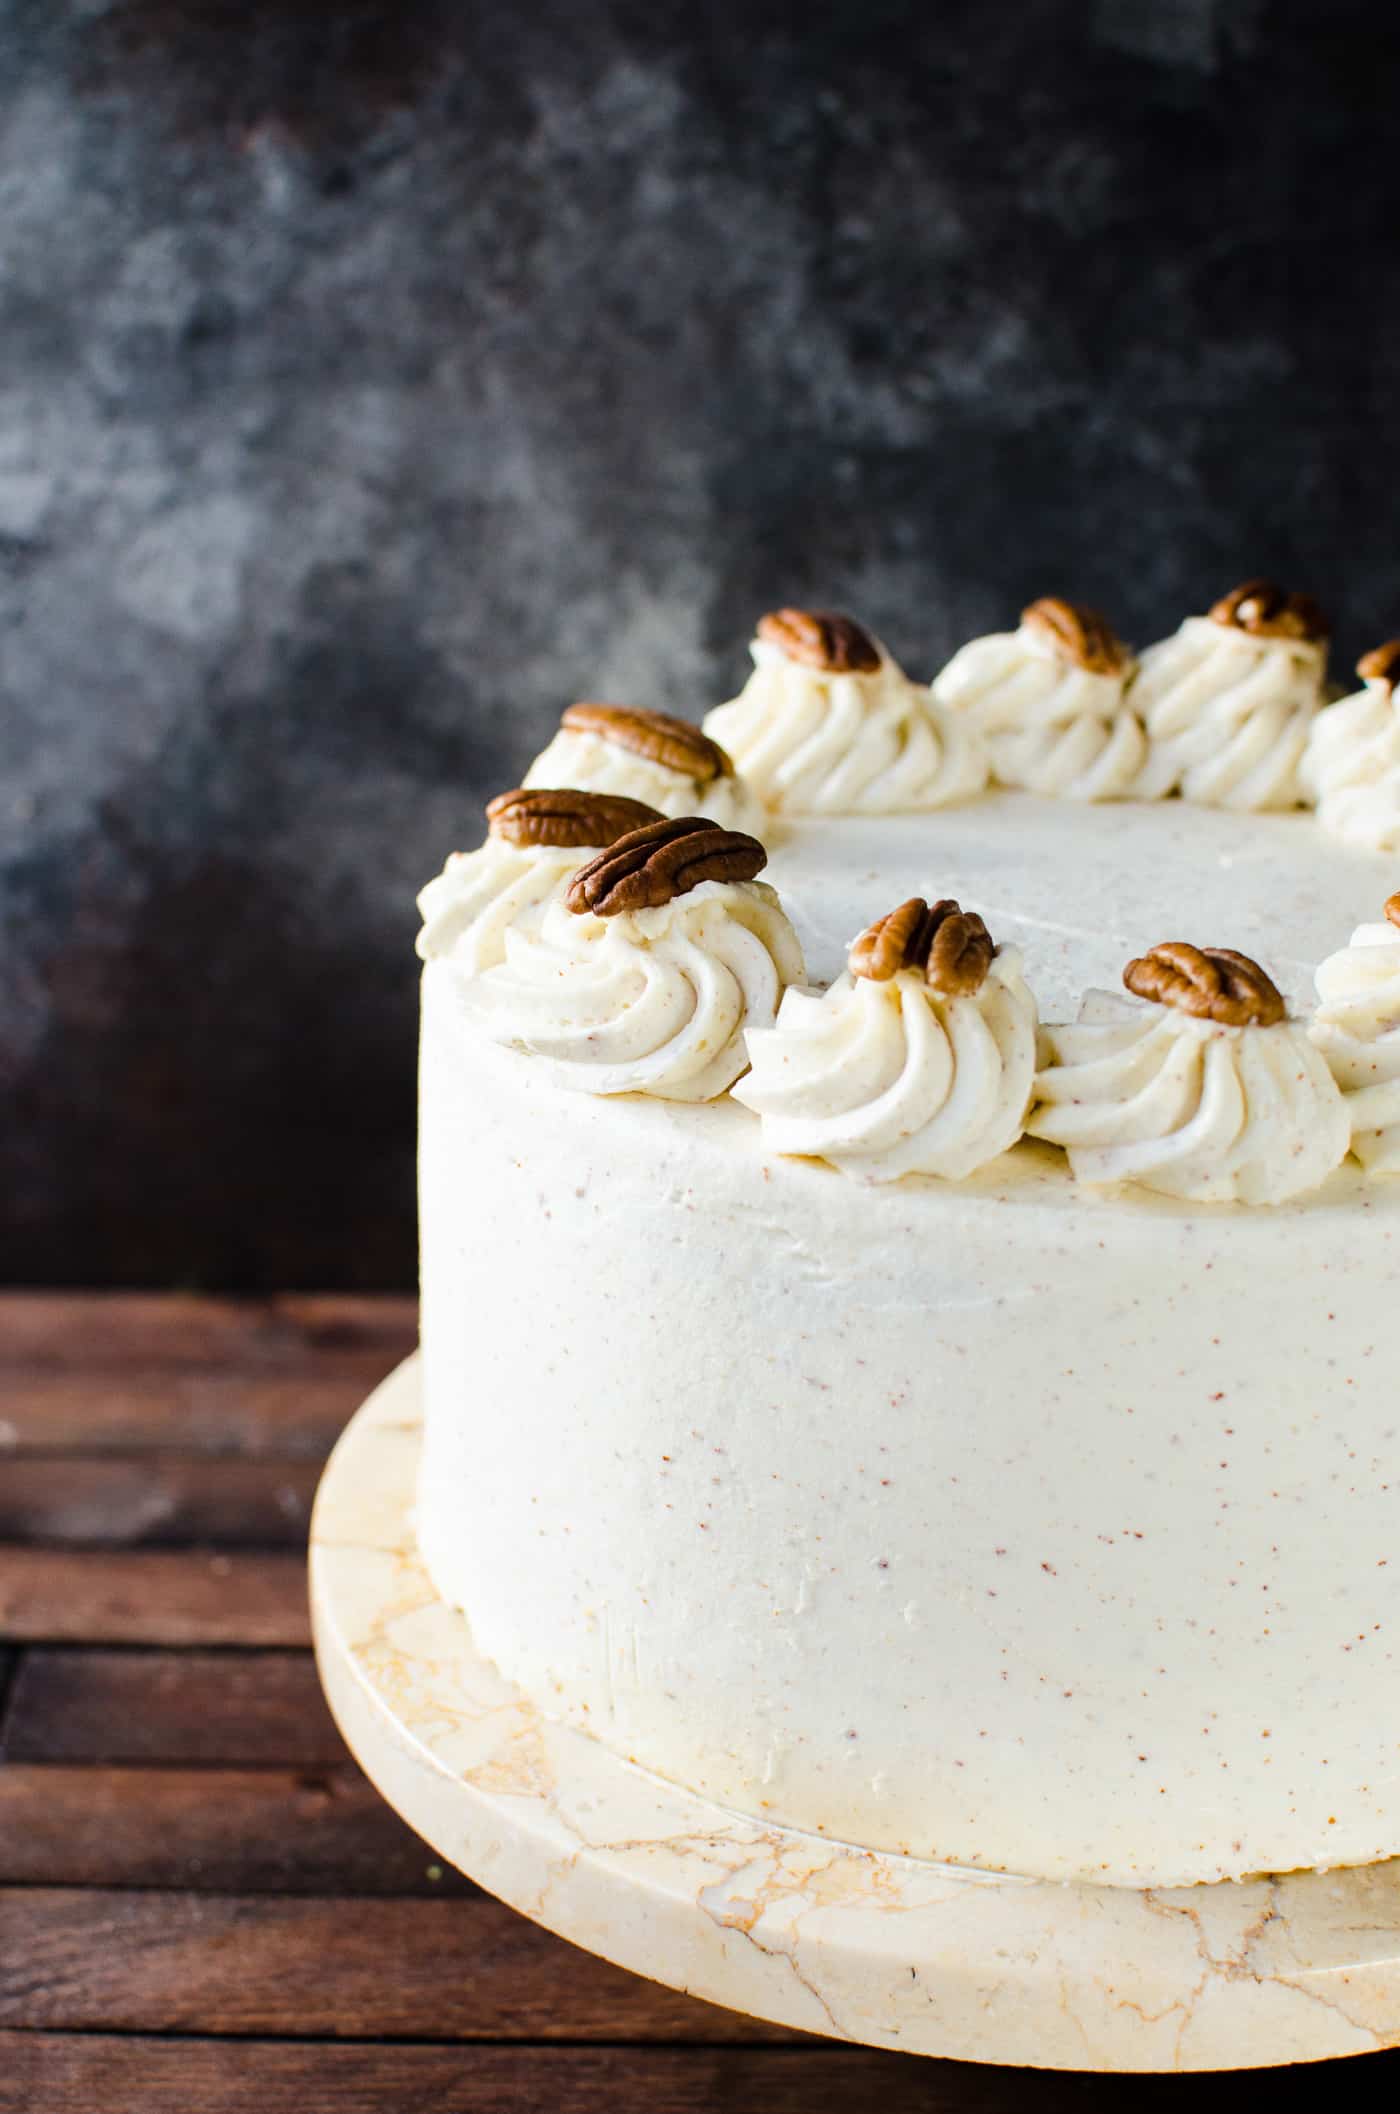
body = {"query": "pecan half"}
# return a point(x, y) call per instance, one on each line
point(821, 638)
point(565, 816)
point(667, 859)
point(1269, 611)
point(1381, 664)
point(1392, 910)
point(1212, 983)
point(674, 743)
point(1080, 635)
point(952, 946)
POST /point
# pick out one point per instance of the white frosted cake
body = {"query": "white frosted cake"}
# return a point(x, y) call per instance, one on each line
point(920, 1391)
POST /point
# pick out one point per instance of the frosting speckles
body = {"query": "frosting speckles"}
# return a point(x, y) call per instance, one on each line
point(1049, 699)
point(1207, 1091)
point(669, 763)
point(536, 841)
point(1351, 767)
point(919, 1060)
point(651, 999)
point(829, 723)
point(1357, 1028)
point(1229, 701)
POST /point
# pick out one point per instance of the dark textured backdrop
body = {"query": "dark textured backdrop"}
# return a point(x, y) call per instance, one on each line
point(376, 378)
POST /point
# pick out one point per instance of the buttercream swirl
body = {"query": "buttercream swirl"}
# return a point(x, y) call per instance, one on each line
point(602, 766)
point(1351, 768)
point(891, 1077)
point(1228, 713)
point(846, 741)
point(469, 907)
point(1051, 725)
point(535, 842)
point(649, 1001)
point(1187, 1106)
point(1357, 1028)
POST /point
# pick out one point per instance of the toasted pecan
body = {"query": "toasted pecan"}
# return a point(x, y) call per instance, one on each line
point(1211, 983)
point(1081, 635)
point(1268, 611)
point(1381, 664)
point(951, 946)
point(667, 859)
point(1392, 909)
point(821, 638)
point(565, 816)
point(673, 743)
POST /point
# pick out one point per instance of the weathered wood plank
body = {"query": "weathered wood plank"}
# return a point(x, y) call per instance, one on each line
point(234, 1708)
point(89, 1960)
point(166, 1500)
point(76, 2074)
point(112, 1331)
point(126, 1375)
point(212, 1413)
point(307, 1831)
point(152, 1596)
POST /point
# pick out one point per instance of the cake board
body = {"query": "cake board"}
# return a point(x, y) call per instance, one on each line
point(861, 1945)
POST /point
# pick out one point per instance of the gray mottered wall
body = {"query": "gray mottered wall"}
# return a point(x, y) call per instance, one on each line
point(376, 378)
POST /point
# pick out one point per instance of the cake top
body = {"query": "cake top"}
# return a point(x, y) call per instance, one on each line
point(1082, 890)
point(870, 1054)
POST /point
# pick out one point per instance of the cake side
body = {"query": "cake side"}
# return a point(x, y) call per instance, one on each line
point(990, 1522)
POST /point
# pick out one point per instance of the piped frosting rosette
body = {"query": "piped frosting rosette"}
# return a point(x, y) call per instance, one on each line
point(649, 756)
point(643, 976)
point(1229, 701)
point(829, 723)
point(919, 1060)
point(1357, 1029)
point(1207, 1091)
point(535, 841)
point(1049, 701)
point(1351, 768)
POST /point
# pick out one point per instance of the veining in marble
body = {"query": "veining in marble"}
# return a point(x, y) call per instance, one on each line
point(815, 1934)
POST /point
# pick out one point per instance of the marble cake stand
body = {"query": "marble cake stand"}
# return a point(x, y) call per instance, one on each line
point(888, 1950)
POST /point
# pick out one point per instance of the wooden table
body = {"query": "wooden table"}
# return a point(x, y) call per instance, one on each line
point(203, 1906)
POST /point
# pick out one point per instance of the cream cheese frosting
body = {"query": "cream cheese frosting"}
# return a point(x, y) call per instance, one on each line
point(653, 999)
point(1219, 1103)
point(648, 756)
point(1357, 1029)
point(822, 729)
point(887, 1075)
point(1229, 701)
point(945, 1517)
point(470, 906)
point(1351, 768)
point(1049, 701)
